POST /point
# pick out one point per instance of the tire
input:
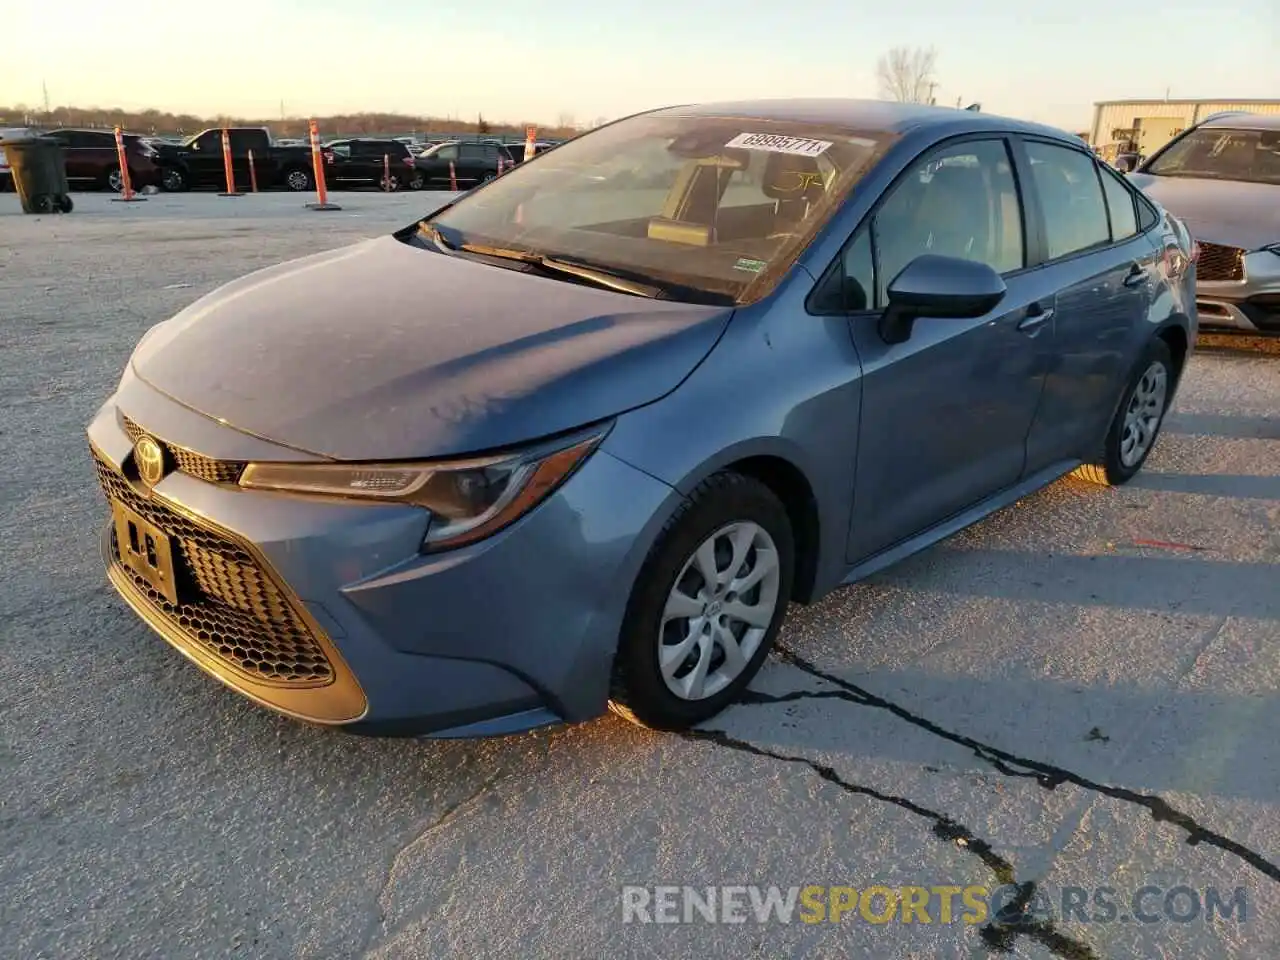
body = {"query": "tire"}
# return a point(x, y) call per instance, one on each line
point(64, 204)
point(721, 508)
point(488, 176)
point(1150, 388)
point(173, 179)
point(113, 181)
point(298, 179)
point(417, 181)
point(44, 203)
point(390, 185)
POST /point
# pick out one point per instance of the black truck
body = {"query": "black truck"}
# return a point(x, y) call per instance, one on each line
point(197, 161)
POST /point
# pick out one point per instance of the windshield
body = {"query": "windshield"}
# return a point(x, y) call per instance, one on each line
point(707, 208)
point(1215, 153)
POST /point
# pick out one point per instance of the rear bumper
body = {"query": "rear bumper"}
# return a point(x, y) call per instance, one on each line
point(512, 633)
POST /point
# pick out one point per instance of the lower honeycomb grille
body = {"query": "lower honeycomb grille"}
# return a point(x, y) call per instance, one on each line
point(228, 606)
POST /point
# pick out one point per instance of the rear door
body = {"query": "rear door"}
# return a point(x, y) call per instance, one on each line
point(945, 414)
point(473, 162)
point(1104, 271)
point(243, 141)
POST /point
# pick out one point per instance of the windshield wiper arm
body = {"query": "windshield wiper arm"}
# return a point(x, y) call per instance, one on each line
point(601, 278)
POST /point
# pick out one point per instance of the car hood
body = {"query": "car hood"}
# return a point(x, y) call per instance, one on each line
point(1220, 211)
point(384, 350)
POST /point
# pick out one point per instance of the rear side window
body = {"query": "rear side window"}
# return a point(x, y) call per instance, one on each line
point(1120, 204)
point(1147, 215)
point(1075, 214)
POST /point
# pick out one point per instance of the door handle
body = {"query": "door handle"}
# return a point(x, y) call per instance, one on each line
point(1037, 316)
point(1136, 276)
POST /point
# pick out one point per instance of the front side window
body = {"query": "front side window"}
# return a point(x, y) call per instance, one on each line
point(1221, 154)
point(960, 202)
point(1075, 214)
point(705, 205)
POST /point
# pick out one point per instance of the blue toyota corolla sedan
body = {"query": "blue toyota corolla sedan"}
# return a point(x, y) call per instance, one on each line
point(577, 438)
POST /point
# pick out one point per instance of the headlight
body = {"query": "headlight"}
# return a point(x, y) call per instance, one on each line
point(467, 499)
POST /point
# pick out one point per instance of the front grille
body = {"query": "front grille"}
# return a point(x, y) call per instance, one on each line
point(228, 605)
point(1220, 263)
point(186, 461)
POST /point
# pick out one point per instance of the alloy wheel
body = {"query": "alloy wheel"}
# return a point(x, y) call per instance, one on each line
point(1143, 415)
point(115, 180)
point(718, 611)
point(297, 180)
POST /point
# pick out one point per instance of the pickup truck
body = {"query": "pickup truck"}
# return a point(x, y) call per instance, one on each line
point(197, 161)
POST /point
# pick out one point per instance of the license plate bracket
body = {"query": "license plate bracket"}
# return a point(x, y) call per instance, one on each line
point(146, 550)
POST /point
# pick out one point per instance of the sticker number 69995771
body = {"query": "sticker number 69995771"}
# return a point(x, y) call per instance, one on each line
point(776, 143)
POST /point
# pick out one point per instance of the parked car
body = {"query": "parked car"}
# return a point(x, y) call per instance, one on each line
point(473, 163)
point(198, 161)
point(360, 162)
point(93, 162)
point(565, 441)
point(1223, 178)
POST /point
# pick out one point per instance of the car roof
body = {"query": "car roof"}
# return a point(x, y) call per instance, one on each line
point(1245, 121)
point(855, 114)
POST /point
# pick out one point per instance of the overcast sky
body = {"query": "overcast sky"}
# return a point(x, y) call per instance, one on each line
point(538, 59)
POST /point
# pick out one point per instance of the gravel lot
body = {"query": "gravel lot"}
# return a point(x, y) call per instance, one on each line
point(1078, 692)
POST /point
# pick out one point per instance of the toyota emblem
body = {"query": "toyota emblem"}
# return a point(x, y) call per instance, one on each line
point(149, 457)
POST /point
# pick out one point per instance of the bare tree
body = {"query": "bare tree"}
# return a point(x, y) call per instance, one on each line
point(565, 121)
point(906, 74)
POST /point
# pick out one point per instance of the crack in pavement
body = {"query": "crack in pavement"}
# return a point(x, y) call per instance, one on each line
point(1046, 775)
point(1010, 921)
point(450, 812)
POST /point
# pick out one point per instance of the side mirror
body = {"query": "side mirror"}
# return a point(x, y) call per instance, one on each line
point(934, 286)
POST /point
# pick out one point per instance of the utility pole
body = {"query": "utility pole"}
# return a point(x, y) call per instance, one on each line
point(932, 86)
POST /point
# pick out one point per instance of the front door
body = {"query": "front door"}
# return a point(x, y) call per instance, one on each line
point(204, 160)
point(945, 415)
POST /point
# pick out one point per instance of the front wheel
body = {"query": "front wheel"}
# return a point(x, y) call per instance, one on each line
point(417, 181)
point(706, 606)
point(1137, 422)
point(173, 180)
point(298, 179)
point(115, 180)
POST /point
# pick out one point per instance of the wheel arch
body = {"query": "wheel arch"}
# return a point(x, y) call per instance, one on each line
point(780, 467)
point(1174, 335)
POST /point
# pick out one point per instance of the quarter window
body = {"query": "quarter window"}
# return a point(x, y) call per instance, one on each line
point(1120, 203)
point(960, 202)
point(1075, 215)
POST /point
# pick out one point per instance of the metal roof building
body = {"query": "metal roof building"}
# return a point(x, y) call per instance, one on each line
point(1146, 125)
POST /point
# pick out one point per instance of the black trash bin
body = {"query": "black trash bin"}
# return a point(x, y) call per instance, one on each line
point(39, 174)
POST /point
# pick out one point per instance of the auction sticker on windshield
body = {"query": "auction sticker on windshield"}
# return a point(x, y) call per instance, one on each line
point(776, 143)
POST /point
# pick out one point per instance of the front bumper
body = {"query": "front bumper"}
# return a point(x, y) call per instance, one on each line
point(1250, 304)
point(325, 610)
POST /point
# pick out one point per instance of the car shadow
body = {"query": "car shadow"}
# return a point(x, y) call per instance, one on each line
point(1222, 425)
point(1211, 485)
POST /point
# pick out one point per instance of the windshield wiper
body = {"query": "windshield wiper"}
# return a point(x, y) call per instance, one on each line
point(554, 265)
